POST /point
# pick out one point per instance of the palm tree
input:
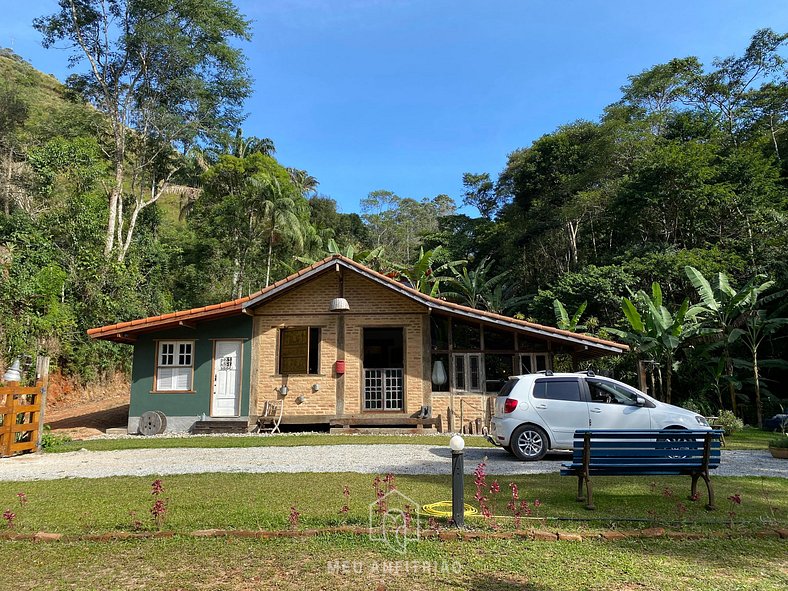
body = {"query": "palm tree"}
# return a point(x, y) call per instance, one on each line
point(423, 276)
point(280, 212)
point(758, 326)
point(303, 181)
point(725, 311)
point(371, 258)
point(473, 288)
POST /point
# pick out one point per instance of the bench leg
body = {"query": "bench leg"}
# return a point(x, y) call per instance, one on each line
point(590, 495)
point(694, 490)
point(580, 496)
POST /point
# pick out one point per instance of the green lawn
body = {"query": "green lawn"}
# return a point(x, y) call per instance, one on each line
point(749, 438)
point(263, 501)
point(352, 563)
point(285, 440)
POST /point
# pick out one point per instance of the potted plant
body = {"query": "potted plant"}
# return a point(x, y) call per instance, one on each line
point(778, 446)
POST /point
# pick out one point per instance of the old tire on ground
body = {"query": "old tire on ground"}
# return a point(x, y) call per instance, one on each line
point(152, 422)
point(529, 443)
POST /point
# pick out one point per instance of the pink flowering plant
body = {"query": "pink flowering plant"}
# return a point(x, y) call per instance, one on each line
point(383, 486)
point(294, 517)
point(345, 509)
point(735, 501)
point(480, 482)
point(8, 517)
point(159, 509)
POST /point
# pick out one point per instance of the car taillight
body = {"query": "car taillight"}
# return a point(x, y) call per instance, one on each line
point(509, 405)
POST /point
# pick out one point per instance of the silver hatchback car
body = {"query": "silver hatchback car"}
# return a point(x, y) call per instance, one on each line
point(538, 412)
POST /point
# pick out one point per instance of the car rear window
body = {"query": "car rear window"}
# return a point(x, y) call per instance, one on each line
point(507, 387)
point(558, 389)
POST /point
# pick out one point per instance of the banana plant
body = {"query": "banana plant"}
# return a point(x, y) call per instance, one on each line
point(564, 322)
point(657, 330)
point(725, 312)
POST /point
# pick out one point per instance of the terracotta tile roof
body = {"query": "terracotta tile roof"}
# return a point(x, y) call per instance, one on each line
point(202, 313)
point(433, 301)
point(117, 331)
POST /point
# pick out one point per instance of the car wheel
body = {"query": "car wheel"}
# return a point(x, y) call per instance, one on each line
point(529, 443)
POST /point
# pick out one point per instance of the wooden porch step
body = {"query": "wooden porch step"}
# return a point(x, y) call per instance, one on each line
point(383, 424)
point(382, 431)
point(219, 426)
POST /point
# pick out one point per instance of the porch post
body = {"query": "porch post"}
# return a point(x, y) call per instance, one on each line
point(340, 384)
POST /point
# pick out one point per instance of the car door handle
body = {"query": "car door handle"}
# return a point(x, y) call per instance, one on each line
point(542, 406)
point(596, 410)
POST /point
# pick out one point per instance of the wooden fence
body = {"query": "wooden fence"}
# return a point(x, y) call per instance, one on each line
point(20, 417)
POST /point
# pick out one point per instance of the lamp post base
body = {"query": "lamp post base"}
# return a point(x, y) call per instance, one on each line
point(457, 489)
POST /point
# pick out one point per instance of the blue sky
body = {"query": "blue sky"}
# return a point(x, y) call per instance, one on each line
point(407, 95)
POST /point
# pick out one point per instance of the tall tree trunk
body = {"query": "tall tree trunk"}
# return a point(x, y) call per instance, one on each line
point(270, 254)
point(642, 376)
point(669, 378)
point(9, 174)
point(123, 247)
point(115, 195)
point(774, 136)
point(731, 387)
point(756, 377)
point(572, 229)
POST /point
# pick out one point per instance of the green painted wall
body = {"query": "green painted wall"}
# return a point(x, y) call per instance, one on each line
point(188, 404)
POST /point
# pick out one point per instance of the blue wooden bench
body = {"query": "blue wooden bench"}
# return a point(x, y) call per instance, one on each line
point(626, 452)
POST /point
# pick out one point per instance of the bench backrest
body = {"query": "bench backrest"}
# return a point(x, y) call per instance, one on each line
point(618, 447)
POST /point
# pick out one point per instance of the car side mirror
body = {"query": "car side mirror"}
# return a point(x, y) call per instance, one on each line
point(640, 401)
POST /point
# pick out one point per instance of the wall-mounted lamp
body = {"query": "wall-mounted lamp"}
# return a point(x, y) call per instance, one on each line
point(282, 391)
point(300, 399)
point(315, 387)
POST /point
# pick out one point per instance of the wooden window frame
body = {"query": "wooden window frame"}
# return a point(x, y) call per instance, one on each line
point(279, 349)
point(175, 353)
point(467, 372)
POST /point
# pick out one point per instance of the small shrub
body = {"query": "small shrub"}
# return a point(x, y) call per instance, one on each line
point(50, 441)
point(729, 422)
point(781, 441)
point(698, 406)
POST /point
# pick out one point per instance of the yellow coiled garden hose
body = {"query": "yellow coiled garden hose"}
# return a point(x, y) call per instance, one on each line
point(443, 509)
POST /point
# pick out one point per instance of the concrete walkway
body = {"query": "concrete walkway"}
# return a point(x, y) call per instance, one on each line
point(368, 459)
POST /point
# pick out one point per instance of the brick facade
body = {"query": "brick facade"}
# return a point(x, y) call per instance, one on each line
point(371, 305)
point(459, 410)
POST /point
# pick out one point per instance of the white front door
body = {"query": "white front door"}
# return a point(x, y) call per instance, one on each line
point(226, 399)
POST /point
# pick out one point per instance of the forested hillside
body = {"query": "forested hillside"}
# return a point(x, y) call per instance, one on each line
point(110, 215)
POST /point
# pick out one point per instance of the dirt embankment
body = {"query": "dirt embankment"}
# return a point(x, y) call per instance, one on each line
point(81, 411)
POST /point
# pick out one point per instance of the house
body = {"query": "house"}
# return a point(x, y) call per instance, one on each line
point(337, 343)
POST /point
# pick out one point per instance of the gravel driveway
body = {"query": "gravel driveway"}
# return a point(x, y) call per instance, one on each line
point(368, 459)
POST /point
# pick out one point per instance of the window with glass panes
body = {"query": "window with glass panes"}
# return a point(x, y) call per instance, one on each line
point(174, 366)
